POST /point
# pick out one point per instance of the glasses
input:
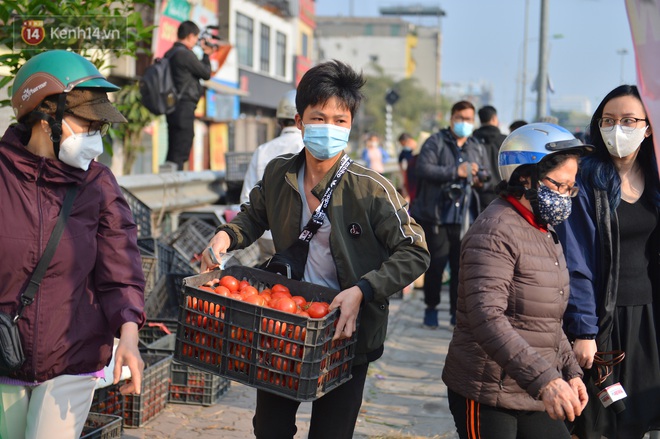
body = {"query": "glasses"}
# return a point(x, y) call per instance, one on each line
point(98, 126)
point(563, 188)
point(628, 124)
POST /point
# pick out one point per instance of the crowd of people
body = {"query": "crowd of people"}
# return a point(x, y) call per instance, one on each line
point(552, 247)
point(552, 244)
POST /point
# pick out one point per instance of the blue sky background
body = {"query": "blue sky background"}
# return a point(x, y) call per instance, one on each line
point(483, 39)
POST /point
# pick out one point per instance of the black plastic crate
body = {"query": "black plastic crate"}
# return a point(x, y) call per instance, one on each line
point(164, 299)
point(191, 238)
point(100, 426)
point(154, 330)
point(188, 385)
point(162, 346)
point(237, 164)
point(192, 386)
point(141, 213)
point(108, 400)
point(169, 260)
point(282, 353)
point(140, 409)
point(149, 263)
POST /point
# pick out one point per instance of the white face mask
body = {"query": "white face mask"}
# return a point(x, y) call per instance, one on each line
point(620, 144)
point(79, 149)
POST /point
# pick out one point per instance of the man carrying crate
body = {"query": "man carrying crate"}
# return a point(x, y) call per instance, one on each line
point(357, 238)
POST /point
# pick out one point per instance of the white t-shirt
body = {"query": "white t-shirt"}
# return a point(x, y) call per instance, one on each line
point(289, 141)
point(320, 268)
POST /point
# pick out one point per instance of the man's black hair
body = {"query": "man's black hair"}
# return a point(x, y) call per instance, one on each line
point(186, 28)
point(460, 106)
point(327, 80)
point(404, 136)
point(517, 124)
point(486, 114)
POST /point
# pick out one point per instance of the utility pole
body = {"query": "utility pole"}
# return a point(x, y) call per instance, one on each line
point(542, 79)
point(524, 62)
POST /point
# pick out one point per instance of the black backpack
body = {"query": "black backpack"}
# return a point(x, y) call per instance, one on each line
point(158, 92)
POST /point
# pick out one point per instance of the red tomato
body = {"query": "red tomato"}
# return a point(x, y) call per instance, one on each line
point(265, 296)
point(278, 295)
point(242, 284)
point(230, 282)
point(300, 301)
point(206, 288)
point(285, 304)
point(302, 313)
point(222, 290)
point(279, 288)
point(249, 291)
point(255, 299)
point(318, 310)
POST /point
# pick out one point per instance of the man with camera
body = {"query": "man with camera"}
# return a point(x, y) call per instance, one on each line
point(187, 70)
point(452, 170)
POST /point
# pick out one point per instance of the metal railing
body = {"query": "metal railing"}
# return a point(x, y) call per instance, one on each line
point(175, 192)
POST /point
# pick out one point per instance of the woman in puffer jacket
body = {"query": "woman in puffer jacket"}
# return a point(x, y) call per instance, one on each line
point(510, 371)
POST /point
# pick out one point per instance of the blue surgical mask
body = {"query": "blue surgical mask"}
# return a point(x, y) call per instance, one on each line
point(554, 207)
point(463, 129)
point(325, 141)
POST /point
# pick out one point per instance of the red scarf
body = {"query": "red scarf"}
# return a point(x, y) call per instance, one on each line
point(525, 212)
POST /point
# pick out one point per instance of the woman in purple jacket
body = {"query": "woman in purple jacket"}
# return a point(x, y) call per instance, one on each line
point(93, 287)
point(611, 242)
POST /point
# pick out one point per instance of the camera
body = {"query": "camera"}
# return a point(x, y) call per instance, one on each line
point(455, 191)
point(209, 38)
point(483, 175)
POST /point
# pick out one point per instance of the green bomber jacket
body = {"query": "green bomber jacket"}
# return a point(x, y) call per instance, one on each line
point(375, 243)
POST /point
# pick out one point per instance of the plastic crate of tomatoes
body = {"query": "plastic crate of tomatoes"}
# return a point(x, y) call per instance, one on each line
point(108, 400)
point(288, 354)
point(192, 386)
point(139, 409)
point(188, 385)
point(100, 426)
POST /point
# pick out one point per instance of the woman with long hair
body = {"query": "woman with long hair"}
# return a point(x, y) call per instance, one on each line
point(611, 242)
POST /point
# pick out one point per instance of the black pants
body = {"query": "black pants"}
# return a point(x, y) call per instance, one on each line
point(479, 421)
point(444, 243)
point(333, 415)
point(180, 132)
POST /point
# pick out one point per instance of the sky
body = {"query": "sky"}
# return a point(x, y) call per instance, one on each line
point(482, 41)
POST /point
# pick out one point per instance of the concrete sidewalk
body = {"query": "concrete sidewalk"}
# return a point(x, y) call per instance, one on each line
point(404, 396)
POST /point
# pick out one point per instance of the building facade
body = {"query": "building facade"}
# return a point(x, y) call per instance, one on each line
point(387, 45)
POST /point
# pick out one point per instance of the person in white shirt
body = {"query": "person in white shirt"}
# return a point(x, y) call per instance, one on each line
point(289, 141)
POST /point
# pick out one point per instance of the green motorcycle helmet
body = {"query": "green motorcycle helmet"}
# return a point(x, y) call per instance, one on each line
point(51, 73)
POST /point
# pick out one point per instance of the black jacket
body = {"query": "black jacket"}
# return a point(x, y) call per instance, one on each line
point(492, 139)
point(187, 70)
point(437, 172)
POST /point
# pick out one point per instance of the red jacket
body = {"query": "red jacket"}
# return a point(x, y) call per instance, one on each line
point(93, 284)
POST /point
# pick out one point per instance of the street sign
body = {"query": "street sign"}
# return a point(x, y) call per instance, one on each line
point(391, 97)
